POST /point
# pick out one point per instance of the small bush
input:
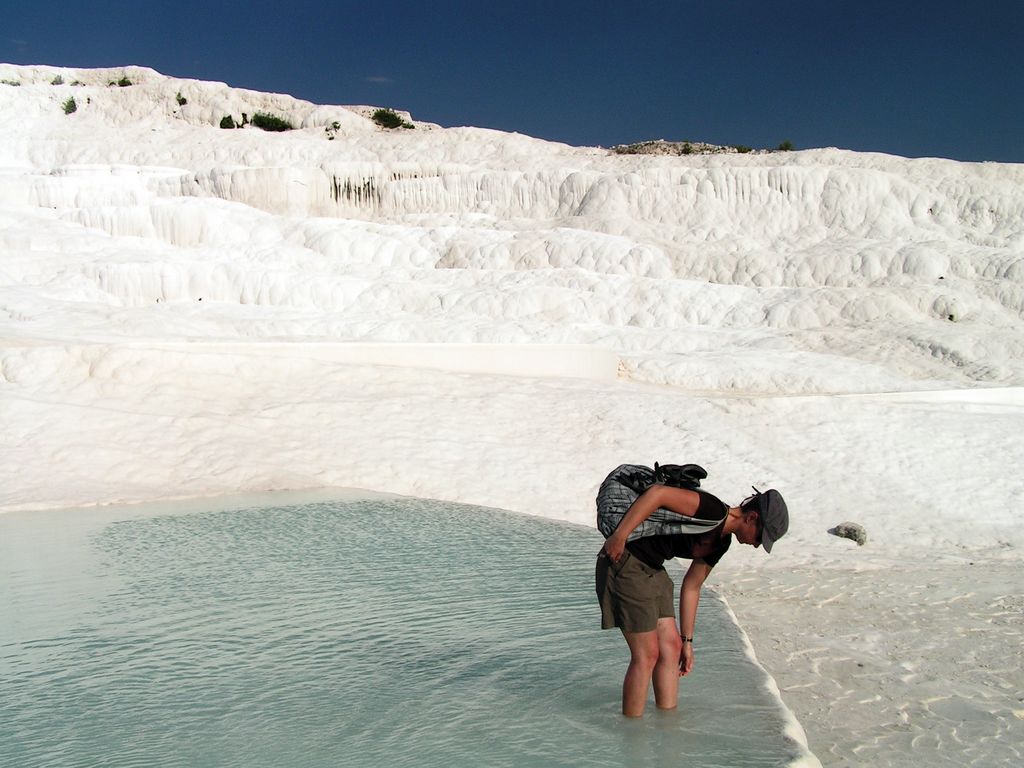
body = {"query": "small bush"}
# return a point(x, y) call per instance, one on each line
point(742, 149)
point(124, 82)
point(58, 80)
point(386, 118)
point(687, 148)
point(10, 82)
point(270, 122)
point(182, 101)
point(786, 146)
point(227, 122)
point(70, 106)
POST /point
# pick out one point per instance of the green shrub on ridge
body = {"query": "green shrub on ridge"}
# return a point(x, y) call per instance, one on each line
point(388, 118)
point(269, 122)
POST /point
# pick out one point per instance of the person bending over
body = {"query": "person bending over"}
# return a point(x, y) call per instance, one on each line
point(643, 529)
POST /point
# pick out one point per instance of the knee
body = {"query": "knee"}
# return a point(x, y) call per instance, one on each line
point(645, 657)
point(672, 646)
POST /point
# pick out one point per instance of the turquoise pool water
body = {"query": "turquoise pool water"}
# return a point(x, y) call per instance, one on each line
point(370, 632)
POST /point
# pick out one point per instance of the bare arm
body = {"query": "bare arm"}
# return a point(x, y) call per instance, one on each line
point(689, 596)
point(678, 500)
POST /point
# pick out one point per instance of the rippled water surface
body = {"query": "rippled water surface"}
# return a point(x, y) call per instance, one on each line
point(374, 632)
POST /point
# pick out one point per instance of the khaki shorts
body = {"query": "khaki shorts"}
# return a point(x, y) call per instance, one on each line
point(633, 595)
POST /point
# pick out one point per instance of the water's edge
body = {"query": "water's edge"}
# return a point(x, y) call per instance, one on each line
point(792, 730)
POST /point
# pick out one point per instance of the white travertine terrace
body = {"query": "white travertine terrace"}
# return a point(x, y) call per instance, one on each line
point(485, 317)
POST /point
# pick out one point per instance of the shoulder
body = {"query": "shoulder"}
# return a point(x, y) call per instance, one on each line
point(710, 507)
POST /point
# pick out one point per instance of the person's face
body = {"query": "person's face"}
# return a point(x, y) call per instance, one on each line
point(750, 531)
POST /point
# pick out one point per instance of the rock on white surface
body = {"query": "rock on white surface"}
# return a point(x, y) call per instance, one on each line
point(852, 531)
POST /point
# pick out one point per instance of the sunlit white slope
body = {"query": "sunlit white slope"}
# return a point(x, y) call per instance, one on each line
point(174, 297)
point(812, 271)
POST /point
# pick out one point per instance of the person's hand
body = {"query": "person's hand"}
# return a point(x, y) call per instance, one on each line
point(686, 659)
point(614, 546)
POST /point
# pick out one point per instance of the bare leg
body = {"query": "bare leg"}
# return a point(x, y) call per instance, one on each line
point(643, 656)
point(666, 671)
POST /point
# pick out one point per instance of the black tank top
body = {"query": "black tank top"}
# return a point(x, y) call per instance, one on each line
point(709, 547)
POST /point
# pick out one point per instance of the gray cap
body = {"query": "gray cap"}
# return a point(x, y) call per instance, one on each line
point(774, 515)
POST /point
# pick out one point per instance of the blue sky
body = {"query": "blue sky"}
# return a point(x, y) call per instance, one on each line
point(939, 78)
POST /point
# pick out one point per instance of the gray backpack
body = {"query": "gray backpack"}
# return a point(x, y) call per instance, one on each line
point(627, 482)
